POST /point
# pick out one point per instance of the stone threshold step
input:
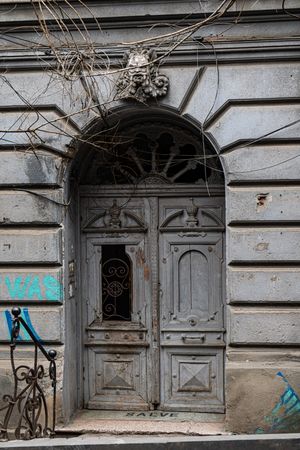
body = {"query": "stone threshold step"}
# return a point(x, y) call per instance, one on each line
point(120, 427)
point(92, 414)
point(151, 423)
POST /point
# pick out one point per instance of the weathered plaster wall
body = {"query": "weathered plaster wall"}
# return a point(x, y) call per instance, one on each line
point(252, 92)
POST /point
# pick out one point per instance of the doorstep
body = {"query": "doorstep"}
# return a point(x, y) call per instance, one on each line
point(144, 422)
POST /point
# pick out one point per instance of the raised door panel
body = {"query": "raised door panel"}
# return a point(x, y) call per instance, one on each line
point(192, 279)
point(184, 214)
point(194, 379)
point(120, 378)
point(113, 215)
point(191, 282)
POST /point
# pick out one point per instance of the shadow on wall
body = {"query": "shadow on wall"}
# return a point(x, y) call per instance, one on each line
point(286, 413)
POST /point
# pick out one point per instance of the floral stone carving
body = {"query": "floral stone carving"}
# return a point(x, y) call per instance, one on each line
point(141, 80)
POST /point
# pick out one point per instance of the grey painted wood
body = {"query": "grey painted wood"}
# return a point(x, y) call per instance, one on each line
point(127, 369)
point(193, 379)
point(117, 352)
point(191, 309)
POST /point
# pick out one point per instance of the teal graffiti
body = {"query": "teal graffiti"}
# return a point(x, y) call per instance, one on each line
point(32, 287)
point(18, 287)
point(53, 289)
point(34, 290)
point(23, 335)
point(285, 416)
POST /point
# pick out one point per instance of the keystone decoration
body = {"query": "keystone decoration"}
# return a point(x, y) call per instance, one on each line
point(142, 80)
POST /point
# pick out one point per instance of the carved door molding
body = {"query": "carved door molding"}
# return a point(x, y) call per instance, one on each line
point(191, 314)
point(168, 352)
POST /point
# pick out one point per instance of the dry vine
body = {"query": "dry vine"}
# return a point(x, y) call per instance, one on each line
point(75, 62)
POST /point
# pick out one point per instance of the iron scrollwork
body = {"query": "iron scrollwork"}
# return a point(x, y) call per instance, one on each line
point(141, 79)
point(28, 404)
point(116, 283)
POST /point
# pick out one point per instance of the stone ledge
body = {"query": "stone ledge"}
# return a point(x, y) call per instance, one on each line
point(88, 442)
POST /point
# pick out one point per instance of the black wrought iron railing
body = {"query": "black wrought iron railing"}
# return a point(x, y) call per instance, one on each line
point(26, 410)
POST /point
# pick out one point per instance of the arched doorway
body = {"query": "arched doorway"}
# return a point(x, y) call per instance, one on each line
point(151, 207)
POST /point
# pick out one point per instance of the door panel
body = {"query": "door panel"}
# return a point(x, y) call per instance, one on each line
point(193, 282)
point(191, 308)
point(191, 270)
point(116, 337)
point(195, 381)
point(120, 378)
point(117, 349)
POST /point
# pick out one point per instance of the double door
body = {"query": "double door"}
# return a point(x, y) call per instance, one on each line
point(152, 301)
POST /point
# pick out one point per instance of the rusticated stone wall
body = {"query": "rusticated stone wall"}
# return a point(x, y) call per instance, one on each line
point(248, 105)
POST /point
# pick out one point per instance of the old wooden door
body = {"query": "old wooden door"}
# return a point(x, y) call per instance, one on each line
point(152, 255)
point(153, 290)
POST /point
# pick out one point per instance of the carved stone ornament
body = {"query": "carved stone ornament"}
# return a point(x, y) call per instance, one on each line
point(115, 212)
point(142, 79)
point(192, 212)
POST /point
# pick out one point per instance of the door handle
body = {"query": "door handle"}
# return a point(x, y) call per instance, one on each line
point(194, 339)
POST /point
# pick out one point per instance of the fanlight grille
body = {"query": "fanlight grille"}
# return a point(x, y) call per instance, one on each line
point(155, 153)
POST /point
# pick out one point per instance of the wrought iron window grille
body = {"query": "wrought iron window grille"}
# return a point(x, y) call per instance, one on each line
point(27, 405)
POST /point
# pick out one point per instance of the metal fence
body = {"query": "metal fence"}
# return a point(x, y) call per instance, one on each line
point(26, 412)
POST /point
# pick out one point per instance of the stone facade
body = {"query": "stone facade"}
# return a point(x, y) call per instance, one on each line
point(237, 81)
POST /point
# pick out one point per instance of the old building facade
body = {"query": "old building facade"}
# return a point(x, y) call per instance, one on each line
point(149, 215)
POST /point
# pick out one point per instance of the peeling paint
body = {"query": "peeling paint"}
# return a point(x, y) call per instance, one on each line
point(262, 246)
point(262, 201)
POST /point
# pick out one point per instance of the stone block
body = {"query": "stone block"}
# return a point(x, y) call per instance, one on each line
point(255, 121)
point(263, 244)
point(37, 207)
point(263, 285)
point(278, 80)
point(264, 326)
point(263, 203)
point(27, 168)
point(45, 126)
point(183, 83)
point(44, 322)
point(262, 163)
point(31, 285)
point(30, 246)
